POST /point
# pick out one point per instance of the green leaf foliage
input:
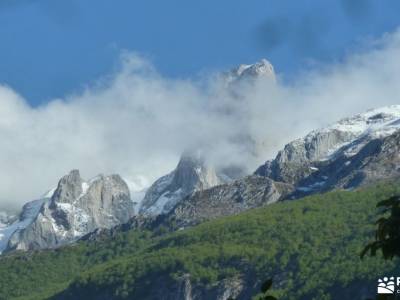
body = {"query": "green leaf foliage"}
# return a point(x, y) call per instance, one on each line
point(387, 236)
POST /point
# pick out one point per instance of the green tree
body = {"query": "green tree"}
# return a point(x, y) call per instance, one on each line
point(387, 236)
point(265, 287)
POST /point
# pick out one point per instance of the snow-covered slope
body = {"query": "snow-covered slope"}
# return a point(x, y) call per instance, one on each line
point(29, 212)
point(340, 155)
point(375, 123)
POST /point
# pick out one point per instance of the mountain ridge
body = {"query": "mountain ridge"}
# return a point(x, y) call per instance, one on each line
point(76, 208)
point(335, 156)
point(354, 151)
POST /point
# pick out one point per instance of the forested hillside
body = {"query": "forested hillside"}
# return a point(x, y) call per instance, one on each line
point(310, 247)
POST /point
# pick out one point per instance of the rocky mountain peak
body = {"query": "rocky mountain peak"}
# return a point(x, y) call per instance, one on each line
point(261, 69)
point(76, 208)
point(69, 188)
point(346, 154)
point(192, 173)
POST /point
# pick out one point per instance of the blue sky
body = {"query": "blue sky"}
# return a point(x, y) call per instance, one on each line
point(50, 48)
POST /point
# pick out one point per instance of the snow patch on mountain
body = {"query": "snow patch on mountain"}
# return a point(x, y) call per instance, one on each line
point(375, 123)
point(354, 151)
point(261, 69)
point(49, 193)
point(76, 207)
point(192, 174)
point(29, 213)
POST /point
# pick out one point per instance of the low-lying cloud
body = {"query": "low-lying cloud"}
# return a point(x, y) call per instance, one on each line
point(137, 123)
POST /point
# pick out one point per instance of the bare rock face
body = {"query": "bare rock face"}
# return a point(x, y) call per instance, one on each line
point(76, 208)
point(227, 199)
point(184, 288)
point(296, 160)
point(69, 188)
point(222, 290)
point(353, 152)
point(192, 174)
point(377, 160)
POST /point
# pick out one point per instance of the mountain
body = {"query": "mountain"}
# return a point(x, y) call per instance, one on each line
point(225, 200)
point(355, 151)
point(261, 69)
point(76, 208)
point(352, 152)
point(200, 232)
point(29, 212)
point(192, 174)
point(359, 150)
point(222, 200)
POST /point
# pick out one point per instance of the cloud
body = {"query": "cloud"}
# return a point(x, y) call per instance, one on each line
point(137, 123)
point(327, 93)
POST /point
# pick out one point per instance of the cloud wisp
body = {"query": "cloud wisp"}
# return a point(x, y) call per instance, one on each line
point(137, 123)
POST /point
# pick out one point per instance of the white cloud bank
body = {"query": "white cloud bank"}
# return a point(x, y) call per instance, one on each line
point(137, 123)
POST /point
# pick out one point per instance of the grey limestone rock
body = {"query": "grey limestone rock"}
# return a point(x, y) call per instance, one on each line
point(355, 151)
point(191, 174)
point(76, 208)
